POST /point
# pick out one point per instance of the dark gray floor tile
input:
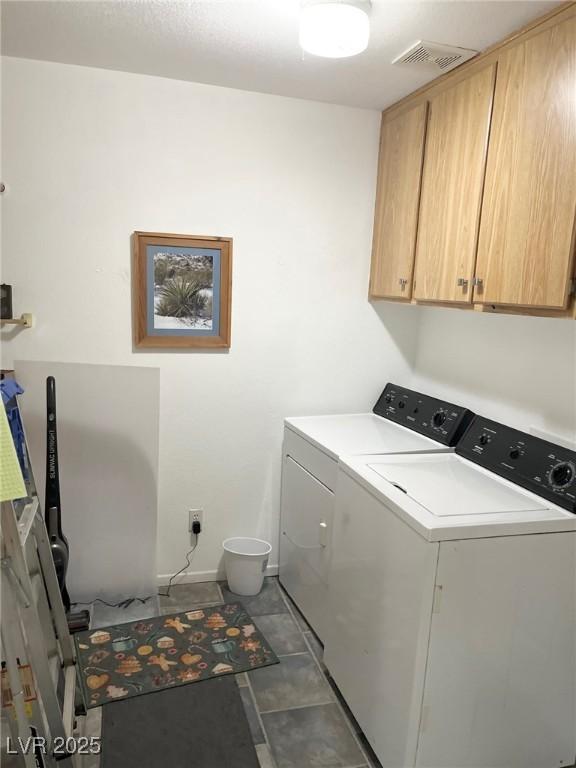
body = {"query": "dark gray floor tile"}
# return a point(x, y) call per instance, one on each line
point(282, 633)
point(269, 600)
point(342, 701)
point(312, 737)
point(302, 623)
point(295, 682)
point(104, 615)
point(316, 645)
point(167, 610)
point(252, 715)
point(183, 596)
point(372, 759)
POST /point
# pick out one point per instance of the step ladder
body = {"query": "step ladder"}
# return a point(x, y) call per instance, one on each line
point(39, 685)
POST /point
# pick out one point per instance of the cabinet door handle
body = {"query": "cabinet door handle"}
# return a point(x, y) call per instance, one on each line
point(477, 282)
point(402, 282)
point(463, 282)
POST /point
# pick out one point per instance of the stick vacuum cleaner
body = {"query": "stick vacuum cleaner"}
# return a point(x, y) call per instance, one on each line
point(53, 512)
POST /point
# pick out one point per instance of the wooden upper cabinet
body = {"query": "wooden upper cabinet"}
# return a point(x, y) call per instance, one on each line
point(526, 242)
point(396, 215)
point(454, 167)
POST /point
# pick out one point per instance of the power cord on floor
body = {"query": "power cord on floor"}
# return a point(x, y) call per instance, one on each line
point(127, 602)
point(188, 556)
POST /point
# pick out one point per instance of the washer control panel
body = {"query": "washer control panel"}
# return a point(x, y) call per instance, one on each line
point(535, 464)
point(437, 419)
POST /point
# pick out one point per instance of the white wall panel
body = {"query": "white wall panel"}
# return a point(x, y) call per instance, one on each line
point(107, 417)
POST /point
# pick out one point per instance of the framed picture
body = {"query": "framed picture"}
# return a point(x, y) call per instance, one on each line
point(182, 290)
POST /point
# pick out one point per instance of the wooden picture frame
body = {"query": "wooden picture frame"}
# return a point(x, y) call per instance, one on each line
point(182, 290)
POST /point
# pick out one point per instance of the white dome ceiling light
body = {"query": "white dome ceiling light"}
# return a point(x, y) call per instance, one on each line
point(334, 29)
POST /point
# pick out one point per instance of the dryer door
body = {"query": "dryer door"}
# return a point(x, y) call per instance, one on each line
point(305, 534)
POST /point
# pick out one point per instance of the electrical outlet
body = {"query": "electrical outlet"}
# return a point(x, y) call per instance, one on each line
point(195, 515)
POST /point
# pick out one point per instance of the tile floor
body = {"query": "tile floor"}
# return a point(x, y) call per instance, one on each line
point(296, 717)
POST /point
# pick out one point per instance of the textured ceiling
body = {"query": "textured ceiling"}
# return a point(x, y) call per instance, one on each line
point(252, 44)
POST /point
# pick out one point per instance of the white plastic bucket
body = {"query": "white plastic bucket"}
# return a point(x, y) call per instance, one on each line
point(245, 560)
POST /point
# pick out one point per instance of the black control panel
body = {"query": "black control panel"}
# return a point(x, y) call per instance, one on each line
point(437, 419)
point(535, 464)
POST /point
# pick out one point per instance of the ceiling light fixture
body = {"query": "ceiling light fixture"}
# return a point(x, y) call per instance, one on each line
point(334, 29)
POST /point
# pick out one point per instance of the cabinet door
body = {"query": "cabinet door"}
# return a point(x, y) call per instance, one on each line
point(396, 216)
point(454, 165)
point(527, 228)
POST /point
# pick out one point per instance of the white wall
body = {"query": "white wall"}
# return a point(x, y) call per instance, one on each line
point(90, 156)
point(519, 370)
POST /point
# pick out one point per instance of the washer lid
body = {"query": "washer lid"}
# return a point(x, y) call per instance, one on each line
point(446, 486)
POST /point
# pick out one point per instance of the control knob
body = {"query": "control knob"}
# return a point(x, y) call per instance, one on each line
point(561, 475)
point(439, 418)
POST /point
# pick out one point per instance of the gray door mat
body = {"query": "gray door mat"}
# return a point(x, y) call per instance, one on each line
point(192, 726)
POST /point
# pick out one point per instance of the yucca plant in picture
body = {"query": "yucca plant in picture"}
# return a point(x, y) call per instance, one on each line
point(181, 297)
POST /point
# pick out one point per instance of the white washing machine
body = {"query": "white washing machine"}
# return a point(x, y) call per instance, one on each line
point(403, 421)
point(451, 622)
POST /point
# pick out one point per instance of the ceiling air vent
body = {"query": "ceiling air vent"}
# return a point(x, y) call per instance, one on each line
point(434, 56)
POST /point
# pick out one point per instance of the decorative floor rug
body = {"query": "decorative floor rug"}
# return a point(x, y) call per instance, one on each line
point(126, 660)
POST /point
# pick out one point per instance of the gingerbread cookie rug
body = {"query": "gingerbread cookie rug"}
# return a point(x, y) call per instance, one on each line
point(135, 658)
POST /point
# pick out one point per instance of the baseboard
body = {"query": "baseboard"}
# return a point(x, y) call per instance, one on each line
point(193, 577)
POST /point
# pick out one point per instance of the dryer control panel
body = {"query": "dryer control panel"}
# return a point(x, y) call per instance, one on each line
point(544, 468)
point(437, 419)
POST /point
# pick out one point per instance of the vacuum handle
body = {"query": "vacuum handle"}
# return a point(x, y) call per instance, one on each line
point(52, 494)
